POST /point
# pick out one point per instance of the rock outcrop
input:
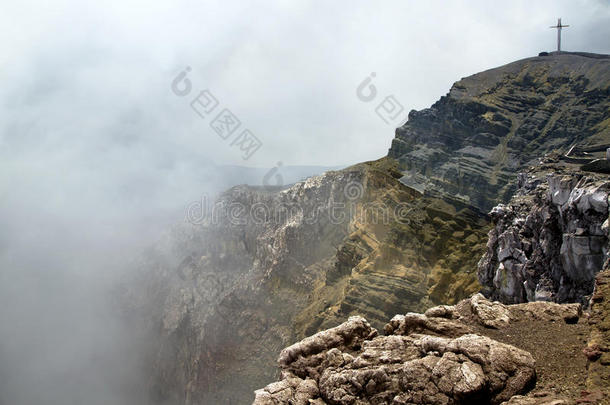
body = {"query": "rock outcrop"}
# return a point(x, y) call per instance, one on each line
point(469, 144)
point(443, 357)
point(549, 241)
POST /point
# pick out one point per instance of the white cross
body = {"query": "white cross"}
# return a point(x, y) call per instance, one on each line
point(559, 27)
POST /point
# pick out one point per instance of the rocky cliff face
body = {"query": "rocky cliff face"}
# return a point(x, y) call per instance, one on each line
point(274, 266)
point(468, 145)
point(550, 240)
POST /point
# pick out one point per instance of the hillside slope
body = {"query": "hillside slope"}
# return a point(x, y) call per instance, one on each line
point(469, 144)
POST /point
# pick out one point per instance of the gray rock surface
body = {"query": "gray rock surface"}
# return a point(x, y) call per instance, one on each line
point(549, 241)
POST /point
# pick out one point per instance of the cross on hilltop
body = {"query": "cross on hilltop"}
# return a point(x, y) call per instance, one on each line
point(559, 27)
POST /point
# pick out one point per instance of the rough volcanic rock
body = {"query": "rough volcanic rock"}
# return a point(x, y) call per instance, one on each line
point(413, 370)
point(490, 314)
point(467, 146)
point(310, 354)
point(429, 370)
point(549, 241)
point(436, 359)
point(418, 323)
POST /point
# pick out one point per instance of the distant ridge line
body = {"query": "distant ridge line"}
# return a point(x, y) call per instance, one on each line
point(584, 54)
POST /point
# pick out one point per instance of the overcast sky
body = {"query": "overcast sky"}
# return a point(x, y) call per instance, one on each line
point(96, 148)
point(89, 123)
point(88, 83)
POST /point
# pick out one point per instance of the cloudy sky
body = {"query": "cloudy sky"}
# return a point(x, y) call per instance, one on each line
point(90, 129)
point(97, 152)
point(88, 83)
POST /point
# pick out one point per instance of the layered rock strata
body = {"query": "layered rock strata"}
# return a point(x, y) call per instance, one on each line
point(468, 145)
point(224, 296)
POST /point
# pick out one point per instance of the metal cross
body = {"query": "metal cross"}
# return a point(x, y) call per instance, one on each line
point(559, 27)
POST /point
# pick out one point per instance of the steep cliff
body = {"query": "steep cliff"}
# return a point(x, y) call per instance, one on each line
point(270, 267)
point(468, 145)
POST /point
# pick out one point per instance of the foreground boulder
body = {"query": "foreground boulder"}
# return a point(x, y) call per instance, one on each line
point(408, 369)
point(441, 357)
